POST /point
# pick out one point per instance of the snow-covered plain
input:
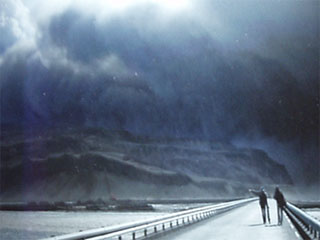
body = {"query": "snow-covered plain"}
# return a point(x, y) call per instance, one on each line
point(315, 212)
point(34, 225)
point(31, 225)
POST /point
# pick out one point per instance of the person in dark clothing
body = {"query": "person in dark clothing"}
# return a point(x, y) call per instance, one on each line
point(281, 203)
point(263, 203)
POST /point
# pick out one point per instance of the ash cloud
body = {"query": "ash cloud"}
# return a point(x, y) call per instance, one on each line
point(211, 70)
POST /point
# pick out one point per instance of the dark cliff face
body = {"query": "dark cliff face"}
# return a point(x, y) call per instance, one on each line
point(83, 159)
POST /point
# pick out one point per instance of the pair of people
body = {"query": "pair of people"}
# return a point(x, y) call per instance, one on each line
point(278, 196)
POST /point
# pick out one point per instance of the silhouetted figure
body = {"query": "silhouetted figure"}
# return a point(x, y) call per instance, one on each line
point(281, 203)
point(263, 203)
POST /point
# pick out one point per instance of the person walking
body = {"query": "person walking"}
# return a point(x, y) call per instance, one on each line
point(281, 203)
point(263, 203)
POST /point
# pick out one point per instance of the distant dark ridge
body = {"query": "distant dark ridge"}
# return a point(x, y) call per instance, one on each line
point(83, 166)
point(9, 130)
point(75, 141)
point(108, 205)
point(64, 160)
point(98, 205)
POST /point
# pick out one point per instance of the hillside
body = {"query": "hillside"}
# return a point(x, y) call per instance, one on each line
point(91, 163)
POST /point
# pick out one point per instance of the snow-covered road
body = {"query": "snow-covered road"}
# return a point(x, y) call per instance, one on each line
point(241, 223)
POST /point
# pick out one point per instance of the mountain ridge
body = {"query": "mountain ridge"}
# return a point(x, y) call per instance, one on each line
point(94, 163)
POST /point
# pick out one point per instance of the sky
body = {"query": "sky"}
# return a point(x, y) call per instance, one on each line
point(243, 72)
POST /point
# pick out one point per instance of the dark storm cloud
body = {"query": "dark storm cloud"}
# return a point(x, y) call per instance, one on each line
point(217, 72)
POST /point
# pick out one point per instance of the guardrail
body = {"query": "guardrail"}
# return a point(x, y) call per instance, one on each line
point(307, 226)
point(155, 225)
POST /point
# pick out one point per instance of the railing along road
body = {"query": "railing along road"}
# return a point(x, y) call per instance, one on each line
point(155, 225)
point(307, 226)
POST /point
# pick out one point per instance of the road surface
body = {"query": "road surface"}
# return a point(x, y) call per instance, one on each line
point(241, 223)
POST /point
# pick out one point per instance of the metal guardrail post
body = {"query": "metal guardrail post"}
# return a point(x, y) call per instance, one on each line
point(307, 226)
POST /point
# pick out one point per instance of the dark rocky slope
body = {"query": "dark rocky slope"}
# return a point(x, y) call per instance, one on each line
point(95, 163)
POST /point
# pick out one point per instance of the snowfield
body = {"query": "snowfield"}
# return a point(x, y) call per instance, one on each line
point(35, 225)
